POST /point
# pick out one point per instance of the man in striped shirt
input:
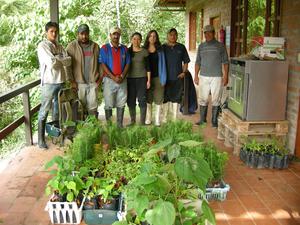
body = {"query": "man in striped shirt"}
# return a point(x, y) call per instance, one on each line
point(114, 59)
point(212, 59)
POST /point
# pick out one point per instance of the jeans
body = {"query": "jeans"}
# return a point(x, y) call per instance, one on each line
point(115, 95)
point(49, 93)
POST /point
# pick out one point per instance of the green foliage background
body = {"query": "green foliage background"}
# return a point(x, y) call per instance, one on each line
point(22, 28)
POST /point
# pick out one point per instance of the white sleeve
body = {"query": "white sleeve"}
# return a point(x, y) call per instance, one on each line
point(46, 56)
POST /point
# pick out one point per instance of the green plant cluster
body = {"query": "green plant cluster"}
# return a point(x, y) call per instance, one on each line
point(157, 169)
point(272, 146)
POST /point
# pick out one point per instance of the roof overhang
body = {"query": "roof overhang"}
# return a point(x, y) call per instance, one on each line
point(170, 5)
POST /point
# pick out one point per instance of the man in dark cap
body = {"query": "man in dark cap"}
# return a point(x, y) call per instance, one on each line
point(212, 62)
point(84, 71)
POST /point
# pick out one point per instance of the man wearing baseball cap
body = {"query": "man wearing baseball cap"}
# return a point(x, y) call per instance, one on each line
point(212, 62)
point(114, 59)
point(84, 71)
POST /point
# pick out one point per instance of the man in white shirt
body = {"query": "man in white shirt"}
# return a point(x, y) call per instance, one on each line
point(52, 58)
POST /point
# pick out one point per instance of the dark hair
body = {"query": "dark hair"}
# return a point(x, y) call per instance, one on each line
point(51, 24)
point(130, 49)
point(157, 44)
point(173, 30)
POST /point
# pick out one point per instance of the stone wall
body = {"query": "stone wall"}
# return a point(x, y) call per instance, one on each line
point(290, 29)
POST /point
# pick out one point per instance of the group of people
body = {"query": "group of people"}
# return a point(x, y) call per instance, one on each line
point(152, 74)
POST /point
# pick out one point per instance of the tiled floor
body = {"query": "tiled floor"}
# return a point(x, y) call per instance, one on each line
point(261, 197)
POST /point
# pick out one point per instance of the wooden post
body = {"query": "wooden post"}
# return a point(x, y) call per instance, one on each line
point(54, 11)
point(28, 130)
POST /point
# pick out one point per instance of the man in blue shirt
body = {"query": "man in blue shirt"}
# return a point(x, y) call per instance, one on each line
point(114, 59)
point(177, 60)
point(213, 60)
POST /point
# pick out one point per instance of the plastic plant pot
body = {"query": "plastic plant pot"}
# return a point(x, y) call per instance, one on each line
point(248, 158)
point(285, 162)
point(243, 154)
point(272, 161)
point(254, 160)
point(260, 161)
point(267, 160)
point(278, 162)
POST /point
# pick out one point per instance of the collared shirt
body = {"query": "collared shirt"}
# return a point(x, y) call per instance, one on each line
point(210, 57)
point(52, 59)
point(175, 56)
point(114, 58)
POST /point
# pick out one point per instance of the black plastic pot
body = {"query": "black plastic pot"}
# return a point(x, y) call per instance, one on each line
point(272, 161)
point(243, 154)
point(267, 160)
point(285, 161)
point(248, 158)
point(254, 160)
point(278, 162)
point(260, 161)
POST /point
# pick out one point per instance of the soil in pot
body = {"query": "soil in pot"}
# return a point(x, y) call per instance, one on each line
point(111, 204)
point(90, 204)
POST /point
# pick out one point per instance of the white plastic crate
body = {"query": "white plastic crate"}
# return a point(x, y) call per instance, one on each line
point(64, 212)
point(216, 193)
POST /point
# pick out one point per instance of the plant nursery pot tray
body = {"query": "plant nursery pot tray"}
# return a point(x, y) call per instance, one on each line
point(100, 216)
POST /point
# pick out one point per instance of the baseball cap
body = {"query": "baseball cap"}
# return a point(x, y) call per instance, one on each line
point(209, 28)
point(115, 30)
point(83, 28)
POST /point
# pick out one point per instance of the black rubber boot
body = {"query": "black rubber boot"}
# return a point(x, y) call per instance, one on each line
point(132, 113)
point(203, 114)
point(143, 115)
point(108, 114)
point(41, 134)
point(120, 115)
point(214, 116)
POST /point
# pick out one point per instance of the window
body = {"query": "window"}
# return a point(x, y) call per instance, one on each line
point(252, 19)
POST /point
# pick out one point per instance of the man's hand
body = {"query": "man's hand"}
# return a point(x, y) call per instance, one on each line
point(181, 75)
point(196, 80)
point(148, 84)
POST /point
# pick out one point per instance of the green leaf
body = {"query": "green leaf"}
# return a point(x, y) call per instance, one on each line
point(70, 197)
point(190, 143)
point(143, 179)
point(141, 203)
point(161, 186)
point(194, 171)
point(162, 214)
point(173, 152)
point(120, 223)
point(158, 147)
point(56, 159)
point(208, 213)
point(71, 185)
point(48, 191)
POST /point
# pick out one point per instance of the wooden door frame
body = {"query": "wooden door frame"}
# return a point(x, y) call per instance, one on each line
point(297, 145)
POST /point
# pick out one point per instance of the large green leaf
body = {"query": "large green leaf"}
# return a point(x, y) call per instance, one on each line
point(173, 152)
point(208, 213)
point(70, 197)
point(161, 186)
point(140, 204)
point(120, 223)
point(194, 171)
point(143, 179)
point(162, 214)
point(71, 185)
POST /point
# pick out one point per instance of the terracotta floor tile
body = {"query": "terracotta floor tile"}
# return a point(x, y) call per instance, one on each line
point(238, 221)
point(22, 204)
point(266, 222)
point(251, 202)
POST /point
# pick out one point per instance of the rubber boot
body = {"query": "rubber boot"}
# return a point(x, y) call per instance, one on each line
point(214, 116)
point(108, 115)
point(165, 112)
point(132, 113)
point(203, 114)
point(148, 114)
point(175, 110)
point(120, 115)
point(143, 115)
point(157, 115)
point(41, 134)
